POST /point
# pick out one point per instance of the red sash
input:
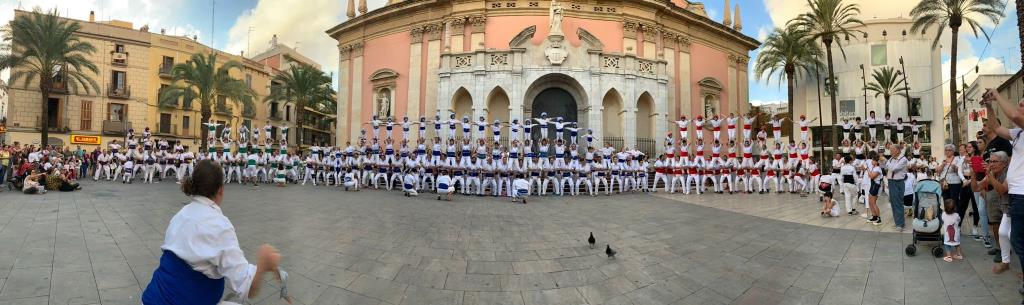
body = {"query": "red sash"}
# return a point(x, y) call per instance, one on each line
point(718, 128)
point(803, 128)
point(747, 127)
point(749, 155)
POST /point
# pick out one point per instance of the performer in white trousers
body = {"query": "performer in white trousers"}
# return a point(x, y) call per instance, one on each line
point(601, 178)
point(583, 178)
point(675, 169)
point(660, 174)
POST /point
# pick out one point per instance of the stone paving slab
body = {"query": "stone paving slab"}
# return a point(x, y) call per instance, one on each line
point(101, 245)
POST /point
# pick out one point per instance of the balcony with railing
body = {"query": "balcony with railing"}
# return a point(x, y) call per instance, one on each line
point(54, 125)
point(278, 116)
point(224, 109)
point(59, 87)
point(119, 59)
point(115, 127)
point(121, 92)
point(164, 71)
point(166, 129)
point(248, 111)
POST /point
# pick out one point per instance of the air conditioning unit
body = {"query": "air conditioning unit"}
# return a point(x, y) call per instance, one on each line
point(120, 56)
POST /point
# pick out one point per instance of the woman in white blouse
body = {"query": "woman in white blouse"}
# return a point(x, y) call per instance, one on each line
point(200, 251)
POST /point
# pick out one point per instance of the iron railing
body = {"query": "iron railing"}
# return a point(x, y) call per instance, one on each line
point(115, 91)
point(115, 127)
point(59, 125)
point(165, 70)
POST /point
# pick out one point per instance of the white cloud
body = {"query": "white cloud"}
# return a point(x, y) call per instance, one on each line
point(156, 14)
point(713, 14)
point(988, 65)
point(781, 11)
point(766, 102)
point(297, 23)
point(763, 32)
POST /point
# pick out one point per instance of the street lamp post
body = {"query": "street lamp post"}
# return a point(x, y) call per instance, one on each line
point(864, 82)
point(906, 87)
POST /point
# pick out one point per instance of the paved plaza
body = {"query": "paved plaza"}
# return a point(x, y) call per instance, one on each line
point(100, 245)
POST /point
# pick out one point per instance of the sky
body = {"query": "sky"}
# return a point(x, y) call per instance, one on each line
point(237, 25)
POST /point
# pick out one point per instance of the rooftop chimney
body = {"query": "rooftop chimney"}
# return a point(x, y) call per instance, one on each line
point(273, 41)
point(163, 31)
point(92, 16)
point(194, 38)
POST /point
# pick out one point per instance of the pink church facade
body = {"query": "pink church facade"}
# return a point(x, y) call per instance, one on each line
point(621, 69)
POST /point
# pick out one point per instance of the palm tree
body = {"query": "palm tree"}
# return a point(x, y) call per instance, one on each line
point(1020, 29)
point(43, 47)
point(787, 51)
point(886, 81)
point(305, 86)
point(829, 20)
point(954, 13)
point(201, 79)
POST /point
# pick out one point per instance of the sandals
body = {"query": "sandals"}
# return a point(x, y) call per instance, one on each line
point(948, 259)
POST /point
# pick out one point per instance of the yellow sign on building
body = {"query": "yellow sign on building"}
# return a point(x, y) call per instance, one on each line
point(90, 140)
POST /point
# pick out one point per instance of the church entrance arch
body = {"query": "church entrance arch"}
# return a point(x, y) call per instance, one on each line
point(556, 95)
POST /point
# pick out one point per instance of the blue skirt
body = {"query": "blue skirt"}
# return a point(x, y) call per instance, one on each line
point(174, 282)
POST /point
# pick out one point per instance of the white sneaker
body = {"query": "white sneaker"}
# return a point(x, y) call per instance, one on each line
point(864, 215)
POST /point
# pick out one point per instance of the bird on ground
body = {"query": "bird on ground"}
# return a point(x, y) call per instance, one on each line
point(591, 240)
point(608, 251)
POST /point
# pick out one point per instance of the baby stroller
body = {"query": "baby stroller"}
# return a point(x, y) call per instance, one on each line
point(926, 222)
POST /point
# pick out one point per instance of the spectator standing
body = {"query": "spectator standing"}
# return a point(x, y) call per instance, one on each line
point(896, 173)
point(1015, 176)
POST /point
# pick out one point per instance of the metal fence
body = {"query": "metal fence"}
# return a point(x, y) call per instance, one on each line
point(646, 146)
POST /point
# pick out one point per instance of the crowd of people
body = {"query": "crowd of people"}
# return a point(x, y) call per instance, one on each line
point(875, 156)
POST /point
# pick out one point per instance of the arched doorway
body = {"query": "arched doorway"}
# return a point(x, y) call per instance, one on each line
point(497, 106)
point(555, 102)
point(645, 118)
point(558, 95)
point(611, 118)
point(462, 104)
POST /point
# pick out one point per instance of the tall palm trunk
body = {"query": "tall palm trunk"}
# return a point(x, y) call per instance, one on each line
point(44, 133)
point(300, 111)
point(1020, 29)
point(790, 85)
point(887, 103)
point(831, 90)
point(953, 112)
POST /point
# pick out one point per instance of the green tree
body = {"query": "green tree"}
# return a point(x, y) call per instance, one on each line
point(829, 20)
point(201, 80)
point(304, 86)
point(788, 52)
point(886, 81)
point(954, 13)
point(42, 47)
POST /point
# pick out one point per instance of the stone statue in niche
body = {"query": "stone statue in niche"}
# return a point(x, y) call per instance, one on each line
point(556, 18)
point(383, 105)
point(556, 52)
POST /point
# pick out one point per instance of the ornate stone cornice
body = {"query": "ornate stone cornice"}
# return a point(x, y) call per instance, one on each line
point(342, 52)
point(456, 25)
point(477, 23)
point(416, 34)
point(649, 28)
point(351, 50)
point(629, 29)
point(357, 49)
point(433, 30)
